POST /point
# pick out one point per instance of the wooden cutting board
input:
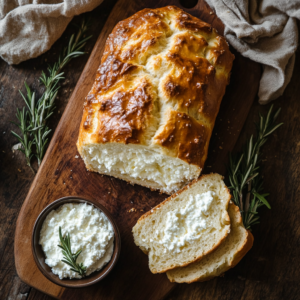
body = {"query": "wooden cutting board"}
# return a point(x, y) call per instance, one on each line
point(62, 174)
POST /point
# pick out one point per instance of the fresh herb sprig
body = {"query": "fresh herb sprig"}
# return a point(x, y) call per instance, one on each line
point(69, 257)
point(245, 179)
point(24, 139)
point(34, 119)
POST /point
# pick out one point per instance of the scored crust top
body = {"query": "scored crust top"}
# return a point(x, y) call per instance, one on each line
point(160, 84)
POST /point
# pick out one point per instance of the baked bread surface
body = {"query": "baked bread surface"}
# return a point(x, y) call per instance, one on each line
point(173, 234)
point(238, 242)
point(154, 102)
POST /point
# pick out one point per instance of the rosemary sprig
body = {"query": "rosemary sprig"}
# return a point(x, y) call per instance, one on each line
point(34, 126)
point(69, 257)
point(24, 139)
point(246, 182)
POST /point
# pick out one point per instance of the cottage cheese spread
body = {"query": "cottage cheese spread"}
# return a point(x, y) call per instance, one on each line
point(185, 225)
point(89, 230)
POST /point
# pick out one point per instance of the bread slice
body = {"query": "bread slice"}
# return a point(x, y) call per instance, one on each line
point(185, 227)
point(237, 244)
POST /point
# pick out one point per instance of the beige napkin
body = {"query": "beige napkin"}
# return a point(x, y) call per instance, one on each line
point(264, 31)
point(29, 28)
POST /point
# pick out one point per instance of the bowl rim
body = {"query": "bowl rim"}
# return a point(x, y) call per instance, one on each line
point(106, 268)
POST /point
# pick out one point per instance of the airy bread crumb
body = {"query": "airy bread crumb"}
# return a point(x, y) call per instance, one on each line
point(229, 253)
point(150, 230)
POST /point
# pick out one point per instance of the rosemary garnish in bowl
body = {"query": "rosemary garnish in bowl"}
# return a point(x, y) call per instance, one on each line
point(69, 257)
point(246, 182)
point(33, 119)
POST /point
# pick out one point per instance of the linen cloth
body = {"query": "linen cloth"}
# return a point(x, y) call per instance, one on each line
point(264, 31)
point(29, 28)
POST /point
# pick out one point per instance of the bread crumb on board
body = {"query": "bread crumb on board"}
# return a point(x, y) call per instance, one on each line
point(132, 210)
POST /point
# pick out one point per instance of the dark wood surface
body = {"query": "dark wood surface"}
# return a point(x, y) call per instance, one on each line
point(269, 271)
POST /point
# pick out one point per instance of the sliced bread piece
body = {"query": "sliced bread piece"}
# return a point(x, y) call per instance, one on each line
point(231, 251)
point(172, 231)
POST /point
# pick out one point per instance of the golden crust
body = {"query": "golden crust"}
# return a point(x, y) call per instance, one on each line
point(185, 136)
point(123, 116)
point(186, 21)
point(243, 250)
point(157, 61)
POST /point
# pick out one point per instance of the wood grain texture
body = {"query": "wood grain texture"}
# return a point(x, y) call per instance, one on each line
point(62, 174)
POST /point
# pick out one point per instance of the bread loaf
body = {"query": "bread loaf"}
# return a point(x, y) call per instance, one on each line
point(229, 253)
point(185, 227)
point(150, 113)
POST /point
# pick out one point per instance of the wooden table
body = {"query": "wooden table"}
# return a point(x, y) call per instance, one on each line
point(269, 271)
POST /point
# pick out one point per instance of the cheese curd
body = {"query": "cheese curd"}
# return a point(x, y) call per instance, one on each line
point(89, 229)
point(186, 224)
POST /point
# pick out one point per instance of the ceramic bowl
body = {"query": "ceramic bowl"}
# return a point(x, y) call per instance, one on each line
point(39, 255)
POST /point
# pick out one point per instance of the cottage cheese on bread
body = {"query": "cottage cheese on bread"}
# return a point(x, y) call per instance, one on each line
point(191, 238)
